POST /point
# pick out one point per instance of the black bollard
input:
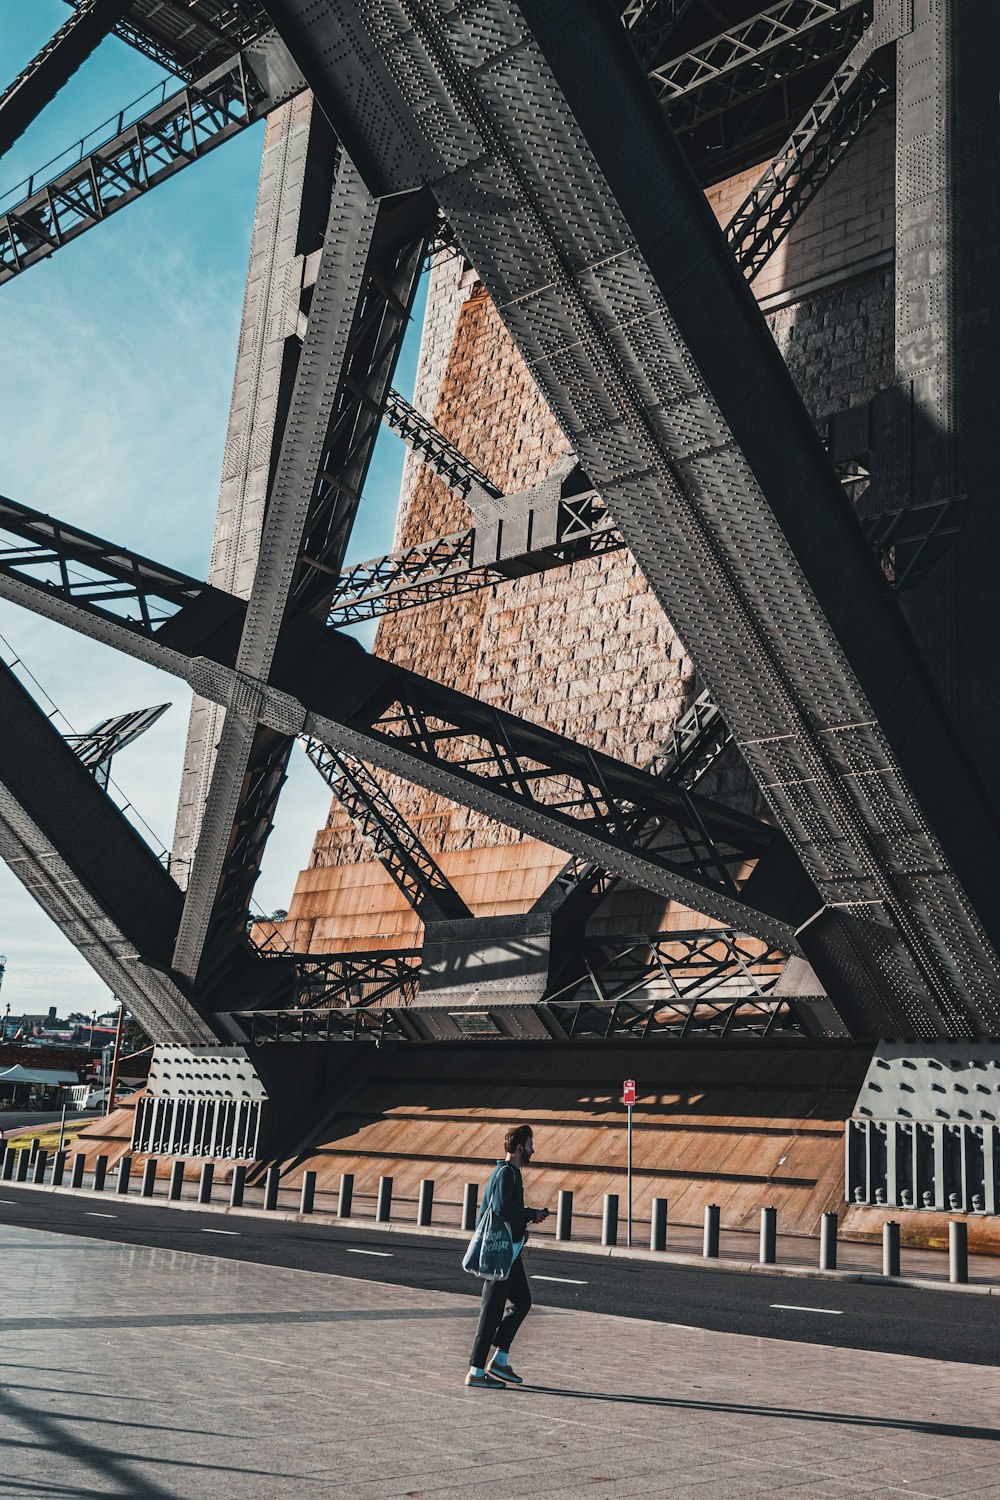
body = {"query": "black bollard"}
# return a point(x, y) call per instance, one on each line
point(609, 1221)
point(958, 1251)
point(23, 1163)
point(828, 1242)
point(124, 1176)
point(8, 1164)
point(58, 1168)
point(308, 1198)
point(890, 1248)
point(271, 1180)
point(149, 1177)
point(79, 1162)
point(176, 1181)
point(425, 1202)
point(205, 1182)
point(345, 1199)
point(238, 1185)
point(383, 1206)
point(658, 1224)
point(710, 1243)
point(38, 1174)
point(100, 1173)
point(470, 1204)
point(768, 1236)
point(564, 1214)
point(33, 1148)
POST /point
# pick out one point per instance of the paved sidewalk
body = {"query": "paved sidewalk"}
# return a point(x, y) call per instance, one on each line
point(137, 1372)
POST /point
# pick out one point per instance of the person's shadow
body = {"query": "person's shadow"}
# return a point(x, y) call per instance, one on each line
point(784, 1413)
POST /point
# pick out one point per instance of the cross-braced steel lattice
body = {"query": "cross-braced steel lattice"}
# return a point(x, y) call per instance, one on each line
point(526, 133)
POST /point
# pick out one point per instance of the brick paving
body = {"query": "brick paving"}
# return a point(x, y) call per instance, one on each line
point(130, 1371)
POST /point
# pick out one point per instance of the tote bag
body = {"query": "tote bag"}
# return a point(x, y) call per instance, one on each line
point(491, 1250)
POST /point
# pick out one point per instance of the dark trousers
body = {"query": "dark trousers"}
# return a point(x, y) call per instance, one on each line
point(494, 1327)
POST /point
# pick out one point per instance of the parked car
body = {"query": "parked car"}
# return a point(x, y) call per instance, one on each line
point(91, 1099)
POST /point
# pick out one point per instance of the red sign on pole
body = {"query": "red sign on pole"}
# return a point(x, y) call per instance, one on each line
point(628, 1091)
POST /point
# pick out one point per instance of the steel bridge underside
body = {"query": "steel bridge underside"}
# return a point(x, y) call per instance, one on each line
point(536, 132)
point(531, 129)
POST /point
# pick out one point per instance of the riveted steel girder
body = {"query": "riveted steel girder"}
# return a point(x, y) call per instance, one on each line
point(297, 175)
point(528, 121)
point(358, 313)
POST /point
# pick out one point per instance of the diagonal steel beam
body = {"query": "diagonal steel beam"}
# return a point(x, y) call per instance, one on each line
point(410, 864)
point(24, 99)
point(552, 525)
point(82, 860)
point(297, 174)
point(818, 143)
point(349, 229)
point(357, 317)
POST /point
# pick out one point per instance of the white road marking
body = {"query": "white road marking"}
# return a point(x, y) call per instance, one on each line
point(831, 1312)
point(222, 1231)
point(383, 1254)
point(91, 1215)
point(14, 1201)
point(564, 1280)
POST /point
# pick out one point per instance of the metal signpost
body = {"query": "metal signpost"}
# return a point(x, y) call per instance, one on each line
point(628, 1099)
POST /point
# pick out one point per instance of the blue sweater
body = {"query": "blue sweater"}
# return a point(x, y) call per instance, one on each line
point(509, 1198)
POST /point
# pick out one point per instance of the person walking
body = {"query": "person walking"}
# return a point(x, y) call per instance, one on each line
point(497, 1328)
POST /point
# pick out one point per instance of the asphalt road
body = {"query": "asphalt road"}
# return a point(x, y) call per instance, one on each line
point(898, 1320)
point(35, 1119)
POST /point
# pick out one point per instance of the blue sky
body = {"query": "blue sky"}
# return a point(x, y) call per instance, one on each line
point(116, 365)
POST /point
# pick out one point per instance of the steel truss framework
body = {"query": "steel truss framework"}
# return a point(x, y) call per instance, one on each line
point(749, 58)
point(700, 965)
point(582, 1021)
point(815, 147)
point(708, 982)
point(558, 530)
point(188, 36)
point(413, 868)
point(744, 62)
point(909, 541)
point(173, 135)
point(576, 267)
point(448, 116)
